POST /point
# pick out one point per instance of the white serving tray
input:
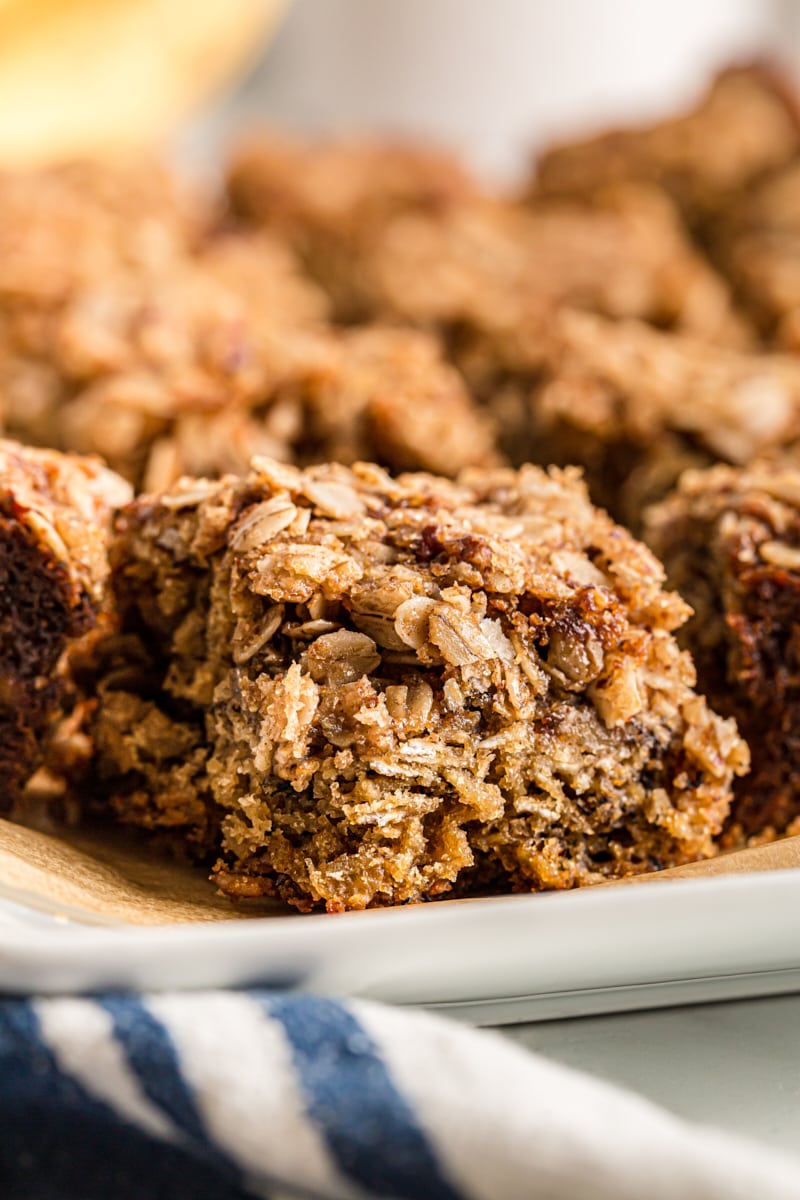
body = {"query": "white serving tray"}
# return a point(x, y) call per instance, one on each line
point(504, 959)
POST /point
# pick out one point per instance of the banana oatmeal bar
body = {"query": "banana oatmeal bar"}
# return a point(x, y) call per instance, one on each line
point(730, 539)
point(488, 278)
point(55, 517)
point(330, 200)
point(480, 270)
point(757, 245)
point(636, 406)
point(746, 125)
point(351, 689)
point(168, 346)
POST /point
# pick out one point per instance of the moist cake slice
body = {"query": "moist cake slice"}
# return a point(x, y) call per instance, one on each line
point(635, 407)
point(55, 516)
point(351, 689)
point(745, 125)
point(730, 539)
point(330, 200)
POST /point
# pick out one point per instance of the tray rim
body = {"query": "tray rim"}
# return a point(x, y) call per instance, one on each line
point(553, 954)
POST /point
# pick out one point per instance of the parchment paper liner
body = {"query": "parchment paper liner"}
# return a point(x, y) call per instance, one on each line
point(108, 877)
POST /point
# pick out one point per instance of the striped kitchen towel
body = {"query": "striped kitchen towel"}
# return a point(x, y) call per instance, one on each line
point(216, 1096)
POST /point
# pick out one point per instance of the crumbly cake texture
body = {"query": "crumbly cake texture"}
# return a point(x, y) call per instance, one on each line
point(635, 407)
point(494, 280)
point(356, 690)
point(170, 348)
point(55, 517)
point(746, 125)
point(125, 362)
point(730, 539)
point(388, 394)
point(184, 379)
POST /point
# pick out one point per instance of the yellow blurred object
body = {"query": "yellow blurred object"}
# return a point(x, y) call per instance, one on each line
point(85, 76)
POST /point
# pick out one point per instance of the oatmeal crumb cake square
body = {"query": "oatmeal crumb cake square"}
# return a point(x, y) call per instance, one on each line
point(756, 242)
point(55, 518)
point(351, 689)
point(331, 198)
point(136, 326)
point(745, 125)
point(481, 270)
point(730, 539)
point(344, 686)
point(635, 406)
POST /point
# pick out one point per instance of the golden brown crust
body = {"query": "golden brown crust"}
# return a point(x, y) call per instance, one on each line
point(489, 273)
point(362, 690)
point(492, 278)
point(483, 272)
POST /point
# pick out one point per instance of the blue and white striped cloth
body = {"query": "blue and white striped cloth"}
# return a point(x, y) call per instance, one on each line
point(223, 1096)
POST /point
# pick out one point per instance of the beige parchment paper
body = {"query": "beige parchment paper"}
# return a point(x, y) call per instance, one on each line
point(111, 877)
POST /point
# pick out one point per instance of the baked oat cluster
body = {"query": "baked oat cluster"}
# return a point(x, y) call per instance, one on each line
point(633, 269)
point(366, 690)
point(343, 685)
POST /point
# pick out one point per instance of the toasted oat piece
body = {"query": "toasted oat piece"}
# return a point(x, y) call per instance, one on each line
point(745, 125)
point(730, 538)
point(355, 690)
point(635, 406)
point(55, 516)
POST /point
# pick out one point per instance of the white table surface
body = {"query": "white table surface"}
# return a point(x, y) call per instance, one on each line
point(734, 1065)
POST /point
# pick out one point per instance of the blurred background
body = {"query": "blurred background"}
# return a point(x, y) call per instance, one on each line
point(490, 77)
point(494, 78)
